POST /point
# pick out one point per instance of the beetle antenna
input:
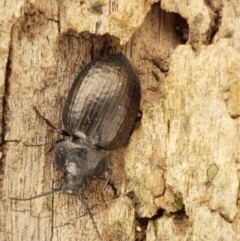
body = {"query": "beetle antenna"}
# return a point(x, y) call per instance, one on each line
point(34, 197)
point(48, 122)
point(91, 216)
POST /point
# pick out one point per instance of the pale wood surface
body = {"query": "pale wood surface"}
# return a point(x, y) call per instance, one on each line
point(182, 163)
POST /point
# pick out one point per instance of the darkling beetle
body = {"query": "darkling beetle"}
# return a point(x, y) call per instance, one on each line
point(100, 113)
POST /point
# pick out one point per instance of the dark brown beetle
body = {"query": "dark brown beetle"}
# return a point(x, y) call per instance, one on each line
point(100, 112)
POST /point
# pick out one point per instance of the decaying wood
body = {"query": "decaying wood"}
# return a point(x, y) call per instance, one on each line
point(178, 179)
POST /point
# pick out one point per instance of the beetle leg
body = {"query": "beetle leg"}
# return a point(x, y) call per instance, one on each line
point(62, 132)
point(109, 170)
point(56, 140)
point(88, 209)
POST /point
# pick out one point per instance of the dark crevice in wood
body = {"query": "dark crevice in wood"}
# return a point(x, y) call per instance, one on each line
point(59, 18)
point(180, 214)
point(142, 224)
point(182, 28)
point(12, 141)
point(216, 20)
point(133, 197)
point(4, 109)
point(6, 91)
point(53, 20)
point(226, 217)
point(216, 23)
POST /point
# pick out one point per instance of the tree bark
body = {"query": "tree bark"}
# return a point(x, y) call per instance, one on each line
point(178, 178)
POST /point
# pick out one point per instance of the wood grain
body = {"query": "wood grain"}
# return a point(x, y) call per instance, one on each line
point(178, 179)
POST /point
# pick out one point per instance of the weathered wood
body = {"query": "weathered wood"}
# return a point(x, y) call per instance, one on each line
point(179, 176)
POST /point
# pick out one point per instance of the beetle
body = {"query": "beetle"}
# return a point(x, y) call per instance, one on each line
point(100, 113)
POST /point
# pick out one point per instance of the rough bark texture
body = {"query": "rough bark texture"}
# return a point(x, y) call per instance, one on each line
point(178, 179)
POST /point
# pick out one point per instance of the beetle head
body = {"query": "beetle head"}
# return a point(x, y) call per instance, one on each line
point(72, 185)
point(79, 162)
